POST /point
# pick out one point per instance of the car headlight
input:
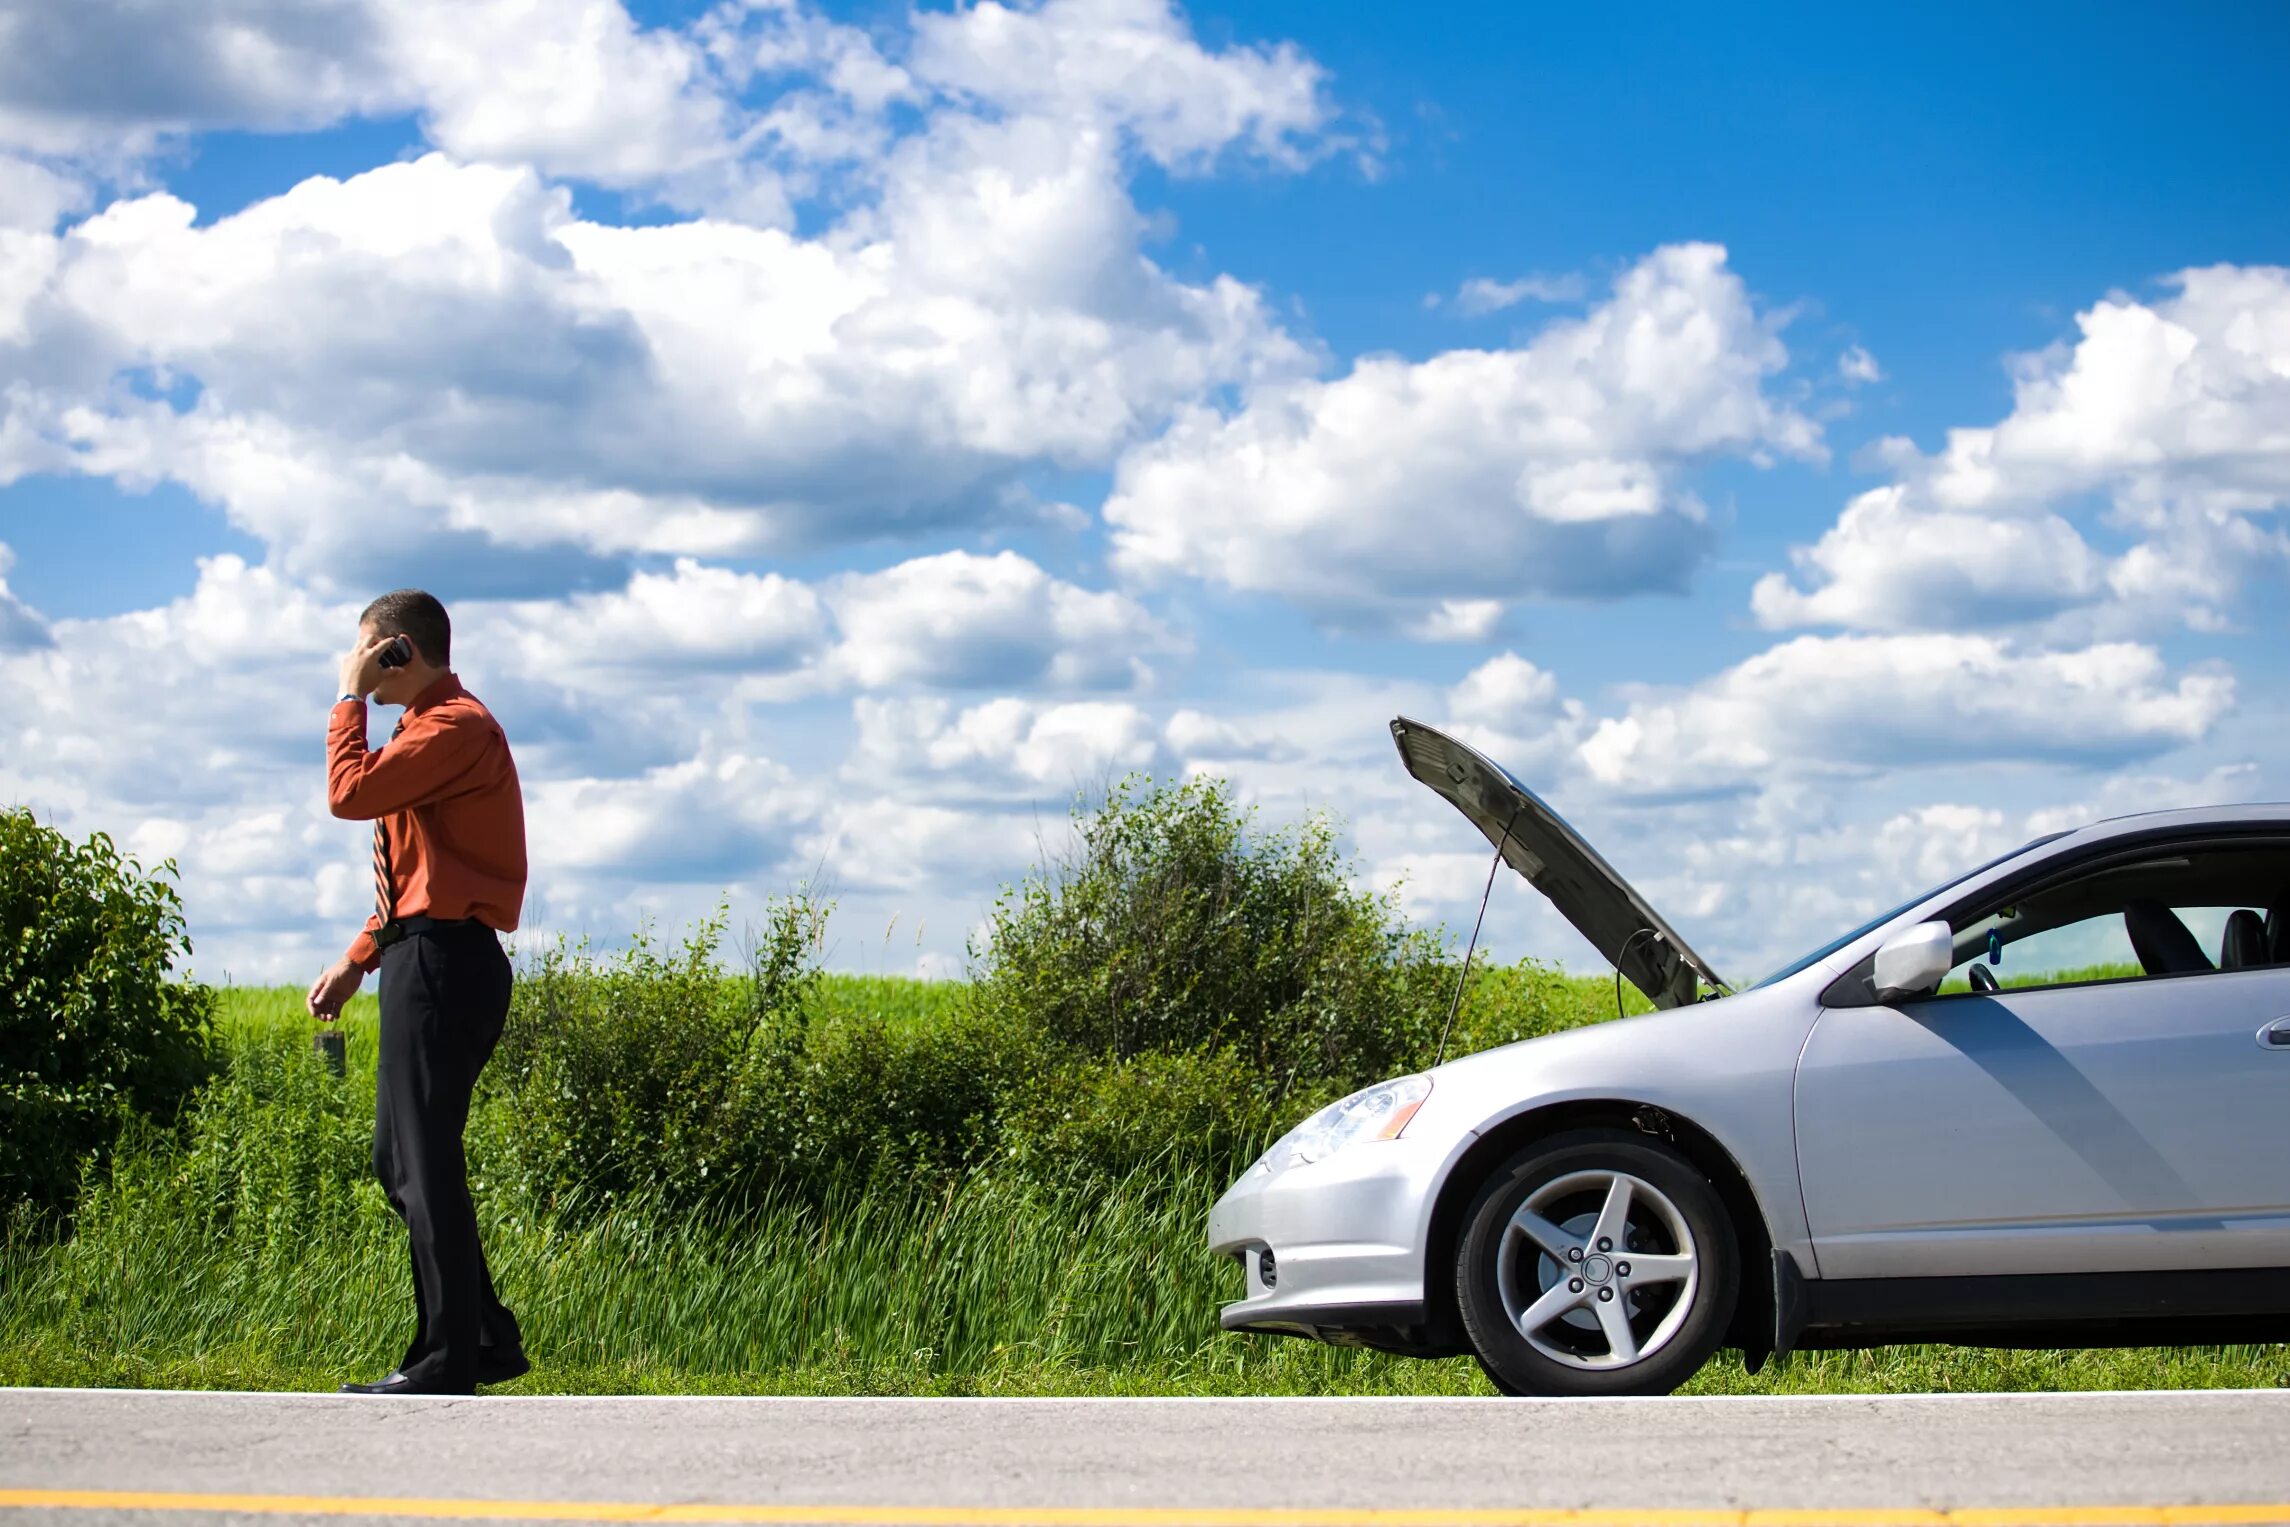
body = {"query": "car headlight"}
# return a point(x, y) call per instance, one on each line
point(1373, 1113)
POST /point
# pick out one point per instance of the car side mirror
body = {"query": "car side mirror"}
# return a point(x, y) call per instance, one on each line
point(1911, 963)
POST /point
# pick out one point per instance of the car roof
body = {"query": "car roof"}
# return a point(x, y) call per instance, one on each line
point(2257, 813)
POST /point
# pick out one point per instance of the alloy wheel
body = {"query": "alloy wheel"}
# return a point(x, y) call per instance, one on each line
point(1597, 1269)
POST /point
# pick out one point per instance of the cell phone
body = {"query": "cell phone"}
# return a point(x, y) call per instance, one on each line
point(397, 654)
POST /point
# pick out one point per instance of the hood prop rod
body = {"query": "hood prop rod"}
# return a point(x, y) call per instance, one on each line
point(1465, 974)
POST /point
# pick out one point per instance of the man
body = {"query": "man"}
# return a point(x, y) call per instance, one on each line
point(449, 874)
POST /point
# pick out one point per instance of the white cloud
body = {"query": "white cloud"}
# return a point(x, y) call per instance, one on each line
point(1857, 367)
point(1476, 475)
point(718, 817)
point(1887, 566)
point(2185, 399)
point(570, 87)
point(1003, 746)
point(20, 624)
point(1132, 64)
point(1205, 741)
point(1457, 620)
point(975, 621)
point(83, 719)
point(1878, 702)
point(2165, 420)
point(33, 196)
point(110, 77)
point(1482, 295)
point(1504, 694)
point(530, 380)
point(693, 617)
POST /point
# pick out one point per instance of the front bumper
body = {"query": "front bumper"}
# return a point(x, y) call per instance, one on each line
point(1347, 1237)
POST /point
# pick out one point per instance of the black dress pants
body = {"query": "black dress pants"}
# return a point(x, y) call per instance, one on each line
point(444, 997)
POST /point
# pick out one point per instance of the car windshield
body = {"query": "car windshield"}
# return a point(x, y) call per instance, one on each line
point(1878, 921)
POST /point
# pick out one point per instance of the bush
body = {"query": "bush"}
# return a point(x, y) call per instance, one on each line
point(92, 1031)
point(867, 1099)
point(653, 1076)
point(631, 1074)
point(1151, 1116)
point(1177, 928)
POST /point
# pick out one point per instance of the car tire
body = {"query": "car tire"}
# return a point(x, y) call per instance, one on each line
point(1551, 1311)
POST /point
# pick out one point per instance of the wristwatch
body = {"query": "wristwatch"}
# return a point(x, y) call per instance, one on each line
point(349, 694)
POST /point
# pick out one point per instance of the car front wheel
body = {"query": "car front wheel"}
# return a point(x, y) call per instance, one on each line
point(1596, 1262)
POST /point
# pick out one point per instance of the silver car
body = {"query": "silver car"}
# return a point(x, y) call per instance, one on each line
point(2044, 1104)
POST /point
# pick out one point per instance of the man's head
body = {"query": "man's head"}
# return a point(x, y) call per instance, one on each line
point(420, 619)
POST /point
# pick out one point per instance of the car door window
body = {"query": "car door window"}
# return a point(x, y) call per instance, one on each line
point(2089, 949)
point(2174, 912)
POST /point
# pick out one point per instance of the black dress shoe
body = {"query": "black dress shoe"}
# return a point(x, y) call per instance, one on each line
point(398, 1383)
point(496, 1365)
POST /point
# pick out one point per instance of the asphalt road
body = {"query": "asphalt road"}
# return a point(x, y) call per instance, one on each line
point(77, 1456)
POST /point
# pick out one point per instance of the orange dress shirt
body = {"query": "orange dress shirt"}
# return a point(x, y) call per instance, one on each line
point(447, 790)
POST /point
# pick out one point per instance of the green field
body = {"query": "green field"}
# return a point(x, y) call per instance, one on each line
point(260, 1254)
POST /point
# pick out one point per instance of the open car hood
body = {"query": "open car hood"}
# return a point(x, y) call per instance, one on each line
point(1536, 842)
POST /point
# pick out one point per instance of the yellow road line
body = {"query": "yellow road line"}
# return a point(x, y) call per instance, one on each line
point(1125, 1516)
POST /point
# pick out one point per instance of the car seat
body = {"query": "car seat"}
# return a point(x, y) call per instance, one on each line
point(2244, 943)
point(2165, 946)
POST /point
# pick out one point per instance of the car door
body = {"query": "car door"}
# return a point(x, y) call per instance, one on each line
point(2094, 1125)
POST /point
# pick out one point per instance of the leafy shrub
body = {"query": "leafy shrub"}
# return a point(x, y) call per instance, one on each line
point(1503, 1004)
point(92, 1031)
point(629, 1074)
point(650, 1074)
point(1150, 1115)
point(869, 1098)
point(274, 1154)
point(1176, 927)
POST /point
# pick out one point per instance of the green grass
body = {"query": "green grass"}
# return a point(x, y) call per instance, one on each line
point(264, 1257)
point(2050, 977)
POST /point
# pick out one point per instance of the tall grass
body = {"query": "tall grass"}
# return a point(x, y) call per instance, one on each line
point(259, 1253)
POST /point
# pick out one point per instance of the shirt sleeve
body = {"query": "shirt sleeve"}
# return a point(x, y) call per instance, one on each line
point(363, 951)
point(423, 763)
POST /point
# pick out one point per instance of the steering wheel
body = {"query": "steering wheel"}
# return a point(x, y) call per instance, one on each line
point(1982, 978)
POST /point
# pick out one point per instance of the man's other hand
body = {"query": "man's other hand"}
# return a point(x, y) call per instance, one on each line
point(362, 666)
point(337, 985)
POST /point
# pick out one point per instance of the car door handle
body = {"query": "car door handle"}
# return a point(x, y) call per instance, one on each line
point(2275, 1036)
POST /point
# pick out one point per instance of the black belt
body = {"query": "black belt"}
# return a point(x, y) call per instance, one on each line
point(398, 927)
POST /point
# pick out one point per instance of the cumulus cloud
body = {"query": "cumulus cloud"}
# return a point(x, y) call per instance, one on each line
point(1505, 694)
point(33, 196)
point(1203, 740)
point(107, 76)
point(20, 624)
point(194, 730)
point(1889, 566)
point(960, 619)
point(1876, 702)
point(719, 817)
point(1857, 367)
point(573, 88)
point(84, 717)
point(693, 617)
point(2184, 399)
point(1477, 475)
point(1001, 746)
point(447, 347)
point(1132, 64)
point(1482, 295)
point(2163, 422)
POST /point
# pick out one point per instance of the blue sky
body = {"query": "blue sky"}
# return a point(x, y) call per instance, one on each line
point(1190, 390)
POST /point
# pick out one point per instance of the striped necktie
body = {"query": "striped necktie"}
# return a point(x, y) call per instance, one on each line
point(385, 894)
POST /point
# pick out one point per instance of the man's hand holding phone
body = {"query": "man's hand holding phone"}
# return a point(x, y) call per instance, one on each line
point(362, 669)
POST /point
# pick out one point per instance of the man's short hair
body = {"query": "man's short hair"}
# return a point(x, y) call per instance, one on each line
point(416, 615)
